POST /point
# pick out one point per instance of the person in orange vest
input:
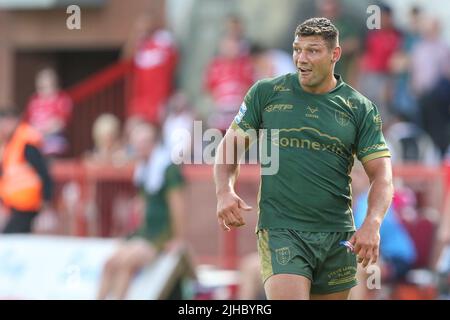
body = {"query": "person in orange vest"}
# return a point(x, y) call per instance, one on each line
point(25, 183)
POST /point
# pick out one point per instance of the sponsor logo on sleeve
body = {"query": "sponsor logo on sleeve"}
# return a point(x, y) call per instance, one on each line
point(241, 113)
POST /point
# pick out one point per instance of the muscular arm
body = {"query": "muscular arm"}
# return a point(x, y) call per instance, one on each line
point(226, 171)
point(381, 189)
point(366, 240)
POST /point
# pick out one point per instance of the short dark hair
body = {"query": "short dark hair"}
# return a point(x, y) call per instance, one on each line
point(319, 27)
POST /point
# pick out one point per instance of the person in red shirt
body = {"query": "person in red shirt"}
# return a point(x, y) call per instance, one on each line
point(376, 77)
point(228, 77)
point(49, 111)
point(155, 56)
point(380, 46)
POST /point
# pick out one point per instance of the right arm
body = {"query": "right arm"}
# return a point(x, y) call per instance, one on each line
point(229, 204)
point(242, 132)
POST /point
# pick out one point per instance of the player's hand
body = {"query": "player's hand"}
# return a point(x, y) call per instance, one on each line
point(229, 209)
point(366, 242)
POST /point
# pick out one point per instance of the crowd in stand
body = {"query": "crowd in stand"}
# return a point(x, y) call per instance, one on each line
point(405, 72)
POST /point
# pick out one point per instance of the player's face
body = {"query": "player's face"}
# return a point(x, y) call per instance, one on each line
point(142, 142)
point(313, 59)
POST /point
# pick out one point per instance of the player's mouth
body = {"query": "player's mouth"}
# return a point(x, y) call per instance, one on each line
point(304, 71)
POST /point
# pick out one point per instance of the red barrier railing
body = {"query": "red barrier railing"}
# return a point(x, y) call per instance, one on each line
point(100, 186)
point(104, 92)
point(99, 81)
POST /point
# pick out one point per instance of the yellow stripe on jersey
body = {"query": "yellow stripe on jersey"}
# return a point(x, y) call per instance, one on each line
point(376, 155)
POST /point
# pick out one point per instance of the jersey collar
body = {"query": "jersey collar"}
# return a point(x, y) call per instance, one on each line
point(339, 84)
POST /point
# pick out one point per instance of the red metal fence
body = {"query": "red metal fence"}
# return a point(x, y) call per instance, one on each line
point(103, 92)
point(96, 201)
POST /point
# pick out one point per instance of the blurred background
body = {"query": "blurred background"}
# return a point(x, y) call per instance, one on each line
point(170, 62)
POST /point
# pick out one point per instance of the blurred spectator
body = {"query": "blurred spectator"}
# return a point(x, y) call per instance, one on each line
point(397, 250)
point(234, 28)
point(269, 63)
point(404, 100)
point(161, 183)
point(130, 124)
point(430, 60)
point(108, 149)
point(436, 114)
point(444, 226)
point(25, 183)
point(396, 246)
point(380, 46)
point(49, 111)
point(179, 119)
point(350, 35)
point(412, 33)
point(104, 213)
point(442, 266)
point(228, 77)
point(154, 53)
point(251, 286)
point(409, 143)
point(431, 82)
point(4, 212)
point(419, 220)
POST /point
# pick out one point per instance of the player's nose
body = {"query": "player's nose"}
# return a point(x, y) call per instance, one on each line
point(300, 58)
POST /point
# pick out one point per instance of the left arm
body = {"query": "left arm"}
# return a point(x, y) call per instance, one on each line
point(366, 240)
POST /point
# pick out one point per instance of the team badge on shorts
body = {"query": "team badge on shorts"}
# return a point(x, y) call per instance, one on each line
point(283, 255)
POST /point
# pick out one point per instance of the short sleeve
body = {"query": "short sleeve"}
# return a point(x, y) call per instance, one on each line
point(249, 114)
point(174, 177)
point(371, 143)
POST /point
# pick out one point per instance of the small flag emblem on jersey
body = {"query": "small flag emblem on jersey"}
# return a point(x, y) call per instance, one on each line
point(348, 245)
point(241, 113)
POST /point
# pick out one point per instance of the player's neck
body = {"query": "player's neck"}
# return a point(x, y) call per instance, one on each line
point(324, 87)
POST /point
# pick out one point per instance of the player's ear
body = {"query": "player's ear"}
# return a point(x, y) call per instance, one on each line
point(336, 54)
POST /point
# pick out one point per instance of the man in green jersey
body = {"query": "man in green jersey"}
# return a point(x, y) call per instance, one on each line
point(161, 184)
point(305, 207)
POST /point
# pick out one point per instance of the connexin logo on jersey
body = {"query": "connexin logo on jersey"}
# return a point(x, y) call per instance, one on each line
point(292, 139)
point(241, 113)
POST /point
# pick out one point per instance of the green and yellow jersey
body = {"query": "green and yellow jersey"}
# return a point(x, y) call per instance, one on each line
point(318, 137)
point(157, 224)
